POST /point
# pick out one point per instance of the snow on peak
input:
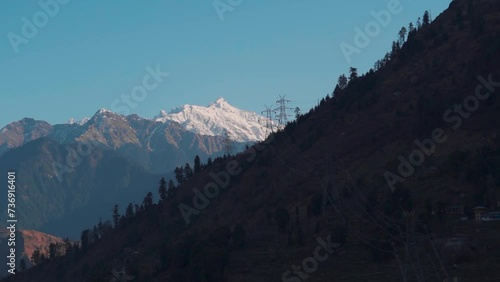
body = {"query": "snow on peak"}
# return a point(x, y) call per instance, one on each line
point(106, 114)
point(243, 126)
point(79, 122)
point(103, 111)
point(161, 115)
point(220, 103)
point(84, 120)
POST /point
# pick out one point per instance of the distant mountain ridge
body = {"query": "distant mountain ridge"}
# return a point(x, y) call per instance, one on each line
point(176, 137)
point(243, 126)
point(127, 155)
point(113, 131)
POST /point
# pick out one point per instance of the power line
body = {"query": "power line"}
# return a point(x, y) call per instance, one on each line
point(282, 115)
point(268, 122)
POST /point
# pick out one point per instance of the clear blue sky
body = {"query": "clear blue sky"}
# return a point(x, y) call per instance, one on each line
point(91, 52)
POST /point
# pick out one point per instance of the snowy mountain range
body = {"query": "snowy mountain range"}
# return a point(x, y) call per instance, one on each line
point(242, 126)
point(186, 128)
point(212, 120)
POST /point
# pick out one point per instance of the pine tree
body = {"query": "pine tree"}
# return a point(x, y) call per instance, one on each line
point(179, 175)
point(419, 23)
point(129, 212)
point(116, 215)
point(402, 36)
point(197, 164)
point(209, 161)
point(84, 239)
point(297, 112)
point(188, 171)
point(162, 190)
point(171, 188)
point(35, 257)
point(395, 48)
point(426, 19)
point(95, 234)
point(342, 82)
point(68, 248)
point(100, 229)
point(52, 250)
point(353, 73)
point(76, 250)
point(411, 29)
point(148, 200)
point(23, 265)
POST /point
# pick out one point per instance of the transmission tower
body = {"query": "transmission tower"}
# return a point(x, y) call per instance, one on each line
point(282, 115)
point(268, 122)
point(412, 259)
point(227, 143)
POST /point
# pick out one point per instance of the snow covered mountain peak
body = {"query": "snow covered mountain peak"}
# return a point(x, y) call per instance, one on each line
point(220, 103)
point(79, 122)
point(242, 126)
point(103, 111)
point(162, 114)
point(104, 114)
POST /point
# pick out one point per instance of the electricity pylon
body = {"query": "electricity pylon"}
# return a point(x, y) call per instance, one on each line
point(282, 115)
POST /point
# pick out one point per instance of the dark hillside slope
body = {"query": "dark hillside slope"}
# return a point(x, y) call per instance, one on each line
point(272, 214)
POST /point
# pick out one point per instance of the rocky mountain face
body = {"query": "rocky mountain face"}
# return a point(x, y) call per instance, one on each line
point(242, 126)
point(159, 144)
point(21, 132)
